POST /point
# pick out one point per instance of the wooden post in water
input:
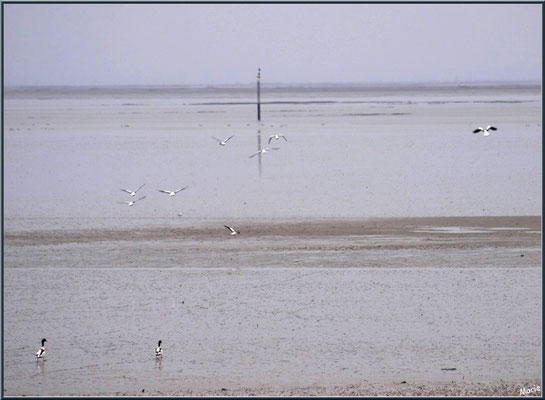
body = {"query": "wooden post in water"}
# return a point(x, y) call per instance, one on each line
point(258, 94)
point(259, 119)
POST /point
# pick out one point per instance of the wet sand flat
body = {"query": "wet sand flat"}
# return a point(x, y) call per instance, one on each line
point(450, 306)
point(311, 243)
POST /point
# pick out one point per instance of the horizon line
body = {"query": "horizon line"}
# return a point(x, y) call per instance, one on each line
point(530, 82)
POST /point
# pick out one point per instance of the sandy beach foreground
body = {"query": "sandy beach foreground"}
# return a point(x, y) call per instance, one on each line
point(375, 389)
point(322, 307)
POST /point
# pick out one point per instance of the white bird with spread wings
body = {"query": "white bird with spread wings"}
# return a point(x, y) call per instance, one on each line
point(233, 231)
point(222, 142)
point(172, 192)
point(131, 192)
point(132, 202)
point(276, 137)
point(263, 151)
point(486, 132)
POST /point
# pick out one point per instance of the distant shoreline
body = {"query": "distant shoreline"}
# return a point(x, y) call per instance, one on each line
point(280, 85)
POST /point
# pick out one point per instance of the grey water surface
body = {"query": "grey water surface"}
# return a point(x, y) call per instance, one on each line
point(351, 152)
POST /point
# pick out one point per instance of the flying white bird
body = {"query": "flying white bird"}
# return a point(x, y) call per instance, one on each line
point(159, 350)
point(485, 131)
point(263, 151)
point(133, 193)
point(233, 231)
point(276, 137)
point(222, 142)
point(41, 351)
point(131, 203)
point(173, 192)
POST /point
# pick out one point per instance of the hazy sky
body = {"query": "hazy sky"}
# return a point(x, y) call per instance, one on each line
point(85, 44)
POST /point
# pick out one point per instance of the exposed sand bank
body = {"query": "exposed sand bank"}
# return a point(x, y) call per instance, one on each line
point(415, 228)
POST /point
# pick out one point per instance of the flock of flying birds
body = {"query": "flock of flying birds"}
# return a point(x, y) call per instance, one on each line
point(40, 354)
point(172, 193)
point(132, 193)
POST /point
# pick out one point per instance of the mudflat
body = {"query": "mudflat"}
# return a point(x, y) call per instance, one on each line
point(358, 307)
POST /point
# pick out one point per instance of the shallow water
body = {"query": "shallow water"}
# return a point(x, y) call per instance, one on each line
point(362, 153)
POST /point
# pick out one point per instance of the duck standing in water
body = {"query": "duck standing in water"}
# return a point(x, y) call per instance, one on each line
point(159, 350)
point(41, 352)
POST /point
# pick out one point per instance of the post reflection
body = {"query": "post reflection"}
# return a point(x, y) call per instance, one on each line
point(259, 150)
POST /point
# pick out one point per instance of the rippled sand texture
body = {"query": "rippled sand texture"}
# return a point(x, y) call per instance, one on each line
point(287, 308)
point(320, 294)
